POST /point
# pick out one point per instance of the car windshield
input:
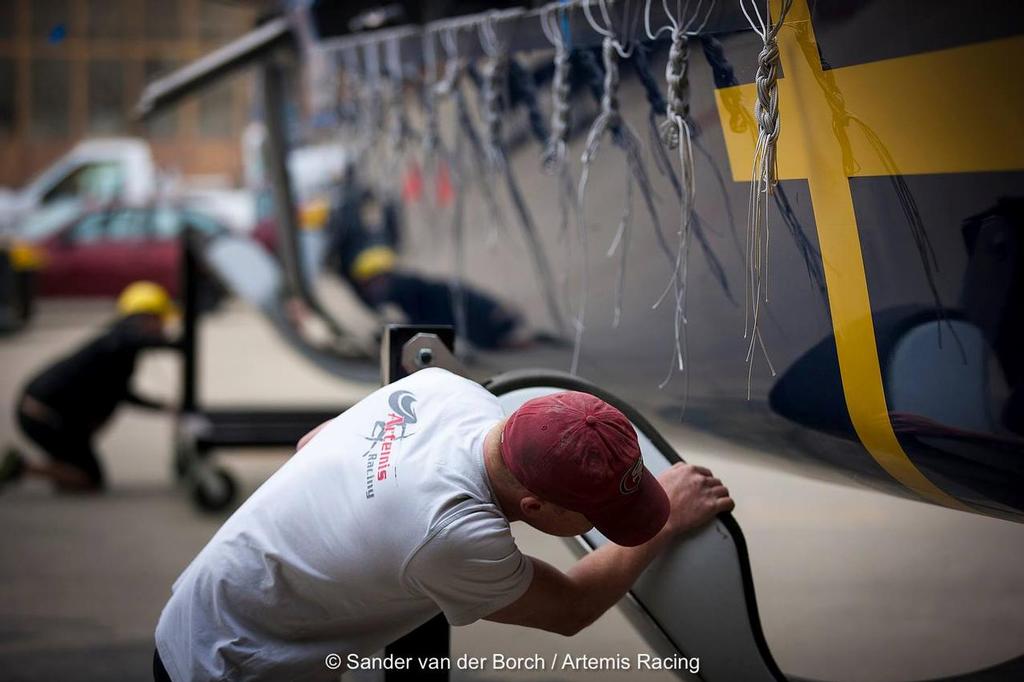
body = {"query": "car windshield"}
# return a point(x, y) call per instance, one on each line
point(48, 219)
point(100, 181)
point(202, 223)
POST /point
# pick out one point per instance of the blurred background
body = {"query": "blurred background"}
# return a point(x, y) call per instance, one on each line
point(852, 584)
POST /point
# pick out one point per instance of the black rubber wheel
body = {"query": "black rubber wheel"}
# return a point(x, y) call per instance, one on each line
point(214, 495)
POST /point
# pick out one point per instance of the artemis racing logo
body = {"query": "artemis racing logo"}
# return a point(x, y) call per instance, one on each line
point(383, 435)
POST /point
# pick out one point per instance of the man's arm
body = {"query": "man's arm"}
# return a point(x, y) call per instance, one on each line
point(309, 436)
point(568, 602)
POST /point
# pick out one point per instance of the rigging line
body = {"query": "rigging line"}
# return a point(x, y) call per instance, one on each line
point(763, 175)
point(495, 98)
point(555, 161)
point(607, 122)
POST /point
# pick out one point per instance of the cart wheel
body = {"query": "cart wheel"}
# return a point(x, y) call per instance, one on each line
point(214, 491)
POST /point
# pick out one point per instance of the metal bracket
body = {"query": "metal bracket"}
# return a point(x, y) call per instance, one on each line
point(428, 350)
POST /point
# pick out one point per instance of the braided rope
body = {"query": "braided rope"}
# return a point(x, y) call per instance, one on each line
point(611, 121)
point(558, 142)
point(677, 108)
point(766, 108)
point(763, 181)
point(494, 75)
point(610, 96)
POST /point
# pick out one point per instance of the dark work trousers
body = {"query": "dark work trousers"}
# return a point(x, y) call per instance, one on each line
point(64, 444)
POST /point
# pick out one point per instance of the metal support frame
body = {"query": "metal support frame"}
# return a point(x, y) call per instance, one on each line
point(201, 430)
point(520, 31)
point(276, 161)
point(189, 319)
point(204, 71)
point(406, 349)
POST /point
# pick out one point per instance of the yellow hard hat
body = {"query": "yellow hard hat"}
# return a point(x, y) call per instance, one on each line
point(313, 216)
point(146, 298)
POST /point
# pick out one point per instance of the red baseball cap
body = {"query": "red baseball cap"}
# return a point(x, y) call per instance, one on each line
point(579, 452)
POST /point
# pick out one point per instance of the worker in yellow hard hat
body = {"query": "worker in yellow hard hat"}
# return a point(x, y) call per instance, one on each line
point(66, 404)
point(142, 298)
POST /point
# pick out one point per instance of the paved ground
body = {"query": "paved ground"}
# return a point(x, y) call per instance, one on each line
point(851, 585)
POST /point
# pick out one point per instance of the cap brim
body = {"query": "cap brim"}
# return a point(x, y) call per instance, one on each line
point(632, 520)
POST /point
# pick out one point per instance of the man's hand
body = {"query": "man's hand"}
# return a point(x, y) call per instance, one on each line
point(696, 497)
point(567, 602)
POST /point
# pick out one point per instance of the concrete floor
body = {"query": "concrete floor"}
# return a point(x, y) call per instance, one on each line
point(851, 585)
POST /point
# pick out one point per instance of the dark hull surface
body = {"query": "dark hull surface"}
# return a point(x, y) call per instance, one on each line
point(893, 314)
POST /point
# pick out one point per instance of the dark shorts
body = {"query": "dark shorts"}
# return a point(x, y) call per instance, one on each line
point(68, 446)
point(159, 671)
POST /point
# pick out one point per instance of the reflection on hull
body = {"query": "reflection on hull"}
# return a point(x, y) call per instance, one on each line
point(895, 283)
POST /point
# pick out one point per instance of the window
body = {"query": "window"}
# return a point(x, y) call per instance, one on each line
point(108, 18)
point(106, 86)
point(166, 223)
point(8, 86)
point(50, 94)
point(98, 182)
point(127, 225)
point(202, 223)
point(8, 19)
point(163, 20)
point(89, 229)
point(220, 22)
point(51, 19)
point(48, 219)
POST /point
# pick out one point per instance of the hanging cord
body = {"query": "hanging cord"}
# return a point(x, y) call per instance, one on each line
point(432, 127)
point(763, 177)
point(675, 133)
point(376, 119)
point(558, 140)
point(658, 106)
point(351, 111)
point(436, 156)
point(556, 162)
point(399, 131)
point(607, 121)
point(447, 87)
point(495, 91)
point(740, 120)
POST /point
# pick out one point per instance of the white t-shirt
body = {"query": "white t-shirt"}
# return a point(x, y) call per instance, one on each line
point(380, 521)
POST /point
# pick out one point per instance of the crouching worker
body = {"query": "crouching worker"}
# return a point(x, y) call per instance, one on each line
point(66, 404)
point(399, 509)
point(364, 234)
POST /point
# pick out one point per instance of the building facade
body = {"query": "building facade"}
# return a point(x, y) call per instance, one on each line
point(72, 69)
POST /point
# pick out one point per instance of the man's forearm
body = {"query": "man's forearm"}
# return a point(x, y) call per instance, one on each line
point(603, 577)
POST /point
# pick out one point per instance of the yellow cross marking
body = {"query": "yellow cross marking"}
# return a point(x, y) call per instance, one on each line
point(955, 110)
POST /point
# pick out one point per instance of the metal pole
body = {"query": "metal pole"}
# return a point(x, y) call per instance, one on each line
point(190, 273)
point(433, 638)
point(275, 156)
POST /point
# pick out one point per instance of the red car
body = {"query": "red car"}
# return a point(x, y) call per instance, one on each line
point(102, 251)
